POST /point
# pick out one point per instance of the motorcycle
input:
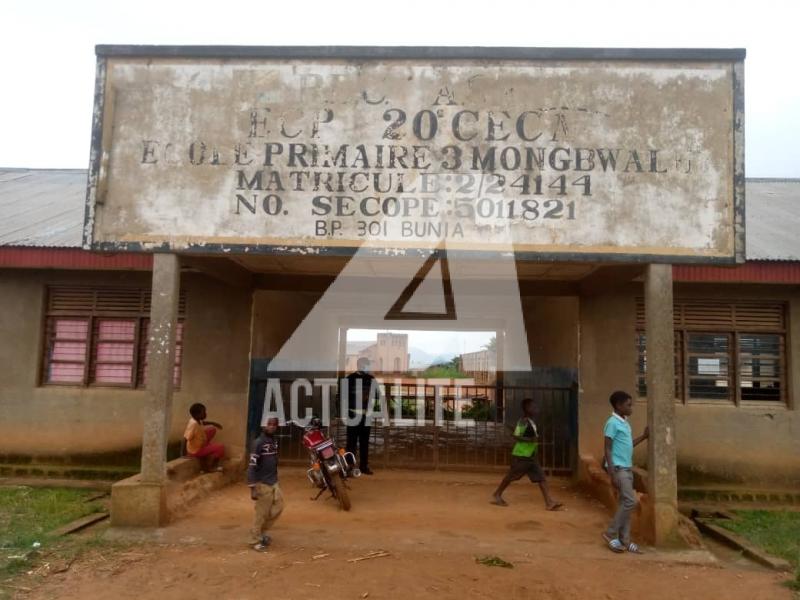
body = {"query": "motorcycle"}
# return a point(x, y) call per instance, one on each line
point(331, 467)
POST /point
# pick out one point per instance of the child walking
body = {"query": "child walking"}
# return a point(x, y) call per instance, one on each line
point(619, 444)
point(524, 460)
point(262, 477)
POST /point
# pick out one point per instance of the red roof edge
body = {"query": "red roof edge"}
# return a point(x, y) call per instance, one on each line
point(73, 258)
point(749, 272)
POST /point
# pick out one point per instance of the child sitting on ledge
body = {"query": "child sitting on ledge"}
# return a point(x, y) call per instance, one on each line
point(199, 437)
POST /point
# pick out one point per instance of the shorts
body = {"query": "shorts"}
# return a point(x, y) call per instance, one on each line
point(521, 466)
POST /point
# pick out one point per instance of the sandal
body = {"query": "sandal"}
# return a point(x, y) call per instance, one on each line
point(614, 544)
point(634, 549)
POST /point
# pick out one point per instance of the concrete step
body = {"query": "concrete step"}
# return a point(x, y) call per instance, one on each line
point(183, 469)
point(81, 484)
point(185, 485)
point(93, 472)
point(724, 494)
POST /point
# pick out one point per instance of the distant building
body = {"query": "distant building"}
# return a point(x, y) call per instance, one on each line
point(480, 365)
point(387, 354)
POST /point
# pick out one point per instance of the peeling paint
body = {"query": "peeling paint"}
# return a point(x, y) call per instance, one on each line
point(223, 156)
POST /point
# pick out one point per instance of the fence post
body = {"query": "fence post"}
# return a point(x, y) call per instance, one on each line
point(573, 428)
point(435, 445)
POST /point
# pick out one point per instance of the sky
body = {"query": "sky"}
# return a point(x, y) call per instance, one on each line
point(47, 51)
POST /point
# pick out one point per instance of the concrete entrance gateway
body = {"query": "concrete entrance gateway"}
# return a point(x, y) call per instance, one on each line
point(532, 192)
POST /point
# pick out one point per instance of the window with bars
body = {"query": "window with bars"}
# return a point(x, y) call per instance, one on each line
point(641, 369)
point(99, 337)
point(731, 352)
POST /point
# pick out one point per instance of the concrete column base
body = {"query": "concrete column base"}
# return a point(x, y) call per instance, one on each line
point(135, 503)
point(665, 525)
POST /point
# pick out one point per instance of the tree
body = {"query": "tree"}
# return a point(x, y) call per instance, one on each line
point(448, 370)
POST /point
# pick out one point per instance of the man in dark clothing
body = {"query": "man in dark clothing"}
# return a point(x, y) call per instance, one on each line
point(262, 477)
point(359, 385)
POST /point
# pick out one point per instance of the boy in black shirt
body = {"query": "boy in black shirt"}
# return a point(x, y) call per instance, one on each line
point(262, 477)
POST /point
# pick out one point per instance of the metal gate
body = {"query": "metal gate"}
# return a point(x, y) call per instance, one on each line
point(415, 436)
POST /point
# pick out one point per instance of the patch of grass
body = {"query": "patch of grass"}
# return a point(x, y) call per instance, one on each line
point(27, 515)
point(777, 532)
point(493, 561)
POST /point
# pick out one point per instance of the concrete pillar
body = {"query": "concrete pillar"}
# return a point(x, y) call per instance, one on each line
point(661, 455)
point(160, 366)
point(141, 501)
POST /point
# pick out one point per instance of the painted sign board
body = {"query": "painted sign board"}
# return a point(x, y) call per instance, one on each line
point(570, 154)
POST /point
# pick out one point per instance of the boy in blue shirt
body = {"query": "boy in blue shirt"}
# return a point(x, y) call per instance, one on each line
point(619, 445)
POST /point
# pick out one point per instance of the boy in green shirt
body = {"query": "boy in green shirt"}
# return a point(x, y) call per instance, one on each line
point(523, 458)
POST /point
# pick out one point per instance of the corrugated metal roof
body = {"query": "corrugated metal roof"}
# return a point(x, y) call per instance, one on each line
point(772, 215)
point(42, 207)
point(45, 208)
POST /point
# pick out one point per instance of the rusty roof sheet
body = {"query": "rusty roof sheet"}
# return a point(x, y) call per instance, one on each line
point(42, 207)
point(772, 219)
point(45, 208)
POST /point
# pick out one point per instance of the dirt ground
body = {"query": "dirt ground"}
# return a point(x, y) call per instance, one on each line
point(433, 525)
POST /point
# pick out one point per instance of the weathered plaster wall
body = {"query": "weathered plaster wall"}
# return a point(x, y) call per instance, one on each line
point(276, 314)
point(756, 445)
point(216, 357)
point(715, 443)
point(607, 363)
point(72, 421)
point(552, 328)
point(201, 179)
point(759, 444)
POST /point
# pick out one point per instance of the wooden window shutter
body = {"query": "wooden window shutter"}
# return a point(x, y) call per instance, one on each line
point(715, 315)
point(761, 315)
point(120, 300)
point(64, 299)
point(706, 315)
point(106, 300)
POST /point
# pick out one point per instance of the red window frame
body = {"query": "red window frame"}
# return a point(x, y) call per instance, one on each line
point(62, 336)
point(112, 355)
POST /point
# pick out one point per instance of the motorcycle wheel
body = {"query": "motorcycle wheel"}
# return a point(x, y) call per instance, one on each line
point(341, 493)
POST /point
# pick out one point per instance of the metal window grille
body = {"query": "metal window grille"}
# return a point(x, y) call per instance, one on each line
point(730, 352)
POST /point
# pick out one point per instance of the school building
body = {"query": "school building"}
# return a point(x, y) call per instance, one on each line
point(73, 339)
point(387, 354)
point(126, 304)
